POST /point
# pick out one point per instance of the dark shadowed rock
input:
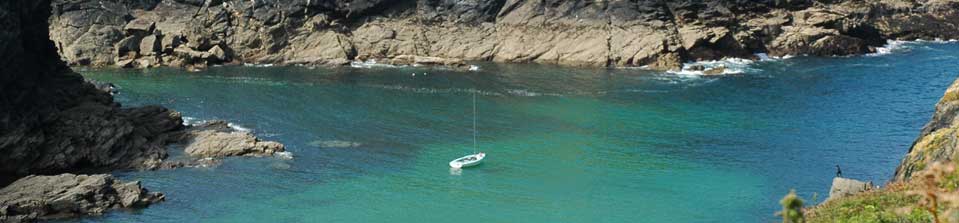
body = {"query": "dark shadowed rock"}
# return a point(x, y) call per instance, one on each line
point(52, 121)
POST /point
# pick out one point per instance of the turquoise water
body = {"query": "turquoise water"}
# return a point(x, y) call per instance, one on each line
point(563, 144)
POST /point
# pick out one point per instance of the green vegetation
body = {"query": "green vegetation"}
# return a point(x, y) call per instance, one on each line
point(792, 208)
point(889, 205)
point(929, 196)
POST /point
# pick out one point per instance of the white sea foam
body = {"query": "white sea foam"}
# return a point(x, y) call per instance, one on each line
point(898, 46)
point(258, 65)
point(189, 120)
point(371, 63)
point(238, 127)
point(766, 57)
point(892, 46)
point(474, 68)
point(283, 155)
point(729, 66)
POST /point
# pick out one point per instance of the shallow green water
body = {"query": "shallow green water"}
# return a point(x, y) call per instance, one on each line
point(563, 144)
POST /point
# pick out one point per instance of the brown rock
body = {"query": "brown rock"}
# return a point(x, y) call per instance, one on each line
point(128, 47)
point(139, 27)
point(149, 45)
point(216, 139)
point(217, 54)
point(715, 70)
point(169, 42)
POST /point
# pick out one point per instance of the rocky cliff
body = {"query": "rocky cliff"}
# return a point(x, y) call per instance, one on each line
point(52, 121)
point(938, 140)
point(656, 33)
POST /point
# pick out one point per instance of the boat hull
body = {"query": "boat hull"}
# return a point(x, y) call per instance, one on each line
point(468, 161)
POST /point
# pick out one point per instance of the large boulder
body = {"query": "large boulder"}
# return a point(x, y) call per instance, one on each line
point(35, 198)
point(217, 139)
point(127, 48)
point(149, 45)
point(842, 187)
point(139, 27)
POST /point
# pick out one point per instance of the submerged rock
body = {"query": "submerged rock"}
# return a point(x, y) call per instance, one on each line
point(47, 197)
point(715, 70)
point(334, 144)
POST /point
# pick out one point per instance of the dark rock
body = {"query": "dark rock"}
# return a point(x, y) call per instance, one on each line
point(52, 121)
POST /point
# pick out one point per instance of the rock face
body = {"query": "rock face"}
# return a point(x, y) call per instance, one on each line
point(937, 142)
point(45, 197)
point(660, 34)
point(52, 121)
point(842, 187)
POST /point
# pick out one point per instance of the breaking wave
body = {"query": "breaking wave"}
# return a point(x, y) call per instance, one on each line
point(371, 63)
point(721, 67)
point(899, 46)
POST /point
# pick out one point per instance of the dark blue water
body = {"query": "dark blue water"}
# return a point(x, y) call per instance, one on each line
point(563, 144)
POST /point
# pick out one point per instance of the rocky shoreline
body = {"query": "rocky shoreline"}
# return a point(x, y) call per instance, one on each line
point(53, 123)
point(67, 195)
point(656, 34)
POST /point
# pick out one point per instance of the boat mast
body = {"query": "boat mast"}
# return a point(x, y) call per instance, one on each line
point(474, 121)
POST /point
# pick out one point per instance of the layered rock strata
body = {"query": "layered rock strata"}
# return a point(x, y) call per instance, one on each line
point(659, 34)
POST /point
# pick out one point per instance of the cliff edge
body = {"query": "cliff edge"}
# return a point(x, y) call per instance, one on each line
point(621, 33)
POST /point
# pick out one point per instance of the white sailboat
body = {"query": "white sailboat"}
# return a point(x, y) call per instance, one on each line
point(475, 158)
